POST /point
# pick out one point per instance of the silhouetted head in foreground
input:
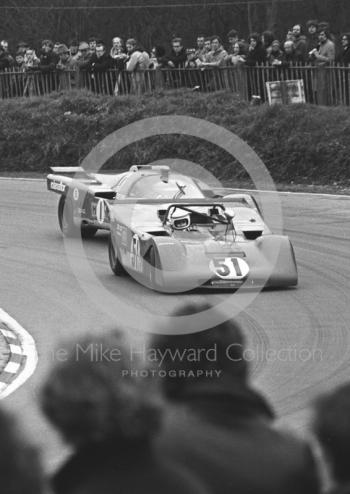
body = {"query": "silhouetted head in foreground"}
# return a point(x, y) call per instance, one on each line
point(89, 397)
point(331, 424)
point(20, 470)
point(212, 356)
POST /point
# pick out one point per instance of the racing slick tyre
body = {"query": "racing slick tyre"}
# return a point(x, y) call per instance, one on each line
point(66, 221)
point(114, 261)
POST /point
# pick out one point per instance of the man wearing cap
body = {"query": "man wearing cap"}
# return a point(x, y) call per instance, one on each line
point(67, 68)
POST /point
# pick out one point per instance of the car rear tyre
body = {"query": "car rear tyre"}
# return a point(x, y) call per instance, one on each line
point(114, 261)
point(66, 221)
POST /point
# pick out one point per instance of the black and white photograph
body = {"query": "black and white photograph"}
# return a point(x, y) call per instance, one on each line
point(174, 246)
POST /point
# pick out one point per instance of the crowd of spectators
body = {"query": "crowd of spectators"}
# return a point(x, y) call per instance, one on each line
point(86, 63)
point(316, 45)
point(176, 415)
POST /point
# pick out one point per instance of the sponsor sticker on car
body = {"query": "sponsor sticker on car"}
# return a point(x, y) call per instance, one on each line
point(58, 186)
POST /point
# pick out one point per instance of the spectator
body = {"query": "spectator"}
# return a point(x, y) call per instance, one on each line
point(267, 39)
point(312, 36)
point(118, 54)
point(300, 44)
point(256, 51)
point(4, 60)
point(100, 61)
point(158, 58)
point(289, 56)
point(92, 44)
point(201, 51)
point(19, 61)
point(31, 61)
point(74, 49)
point(325, 54)
point(217, 57)
point(5, 46)
point(344, 56)
point(207, 45)
point(67, 67)
point(331, 424)
point(99, 64)
point(84, 56)
point(19, 462)
point(56, 45)
point(191, 58)
point(276, 55)
point(177, 57)
point(219, 427)
point(48, 59)
point(136, 65)
point(232, 37)
point(290, 36)
point(238, 56)
point(110, 420)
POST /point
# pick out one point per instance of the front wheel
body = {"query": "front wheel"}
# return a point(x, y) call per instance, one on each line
point(114, 261)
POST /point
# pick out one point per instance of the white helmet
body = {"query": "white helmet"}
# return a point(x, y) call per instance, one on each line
point(180, 219)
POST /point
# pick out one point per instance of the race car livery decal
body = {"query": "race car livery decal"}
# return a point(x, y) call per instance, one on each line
point(58, 186)
point(75, 194)
point(101, 211)
point(135, 254)
point(229, 268)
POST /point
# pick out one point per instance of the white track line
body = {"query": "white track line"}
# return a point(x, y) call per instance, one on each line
point(286, 192)
point(27, 349)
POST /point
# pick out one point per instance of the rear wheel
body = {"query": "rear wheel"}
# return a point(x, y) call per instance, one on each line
point(114, 260)
point(66, 221)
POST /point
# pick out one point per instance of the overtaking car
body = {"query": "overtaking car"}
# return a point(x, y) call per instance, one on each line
point(84, 197)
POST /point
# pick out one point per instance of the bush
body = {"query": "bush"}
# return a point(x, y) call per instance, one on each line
point(300, 143)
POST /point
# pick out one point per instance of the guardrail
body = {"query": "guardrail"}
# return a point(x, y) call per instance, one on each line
point(326, 85)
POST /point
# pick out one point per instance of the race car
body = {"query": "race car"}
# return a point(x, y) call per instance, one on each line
point(84, 203)
point(183, 244)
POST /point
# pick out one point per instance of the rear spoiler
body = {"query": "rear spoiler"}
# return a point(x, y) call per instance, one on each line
point(69, 171)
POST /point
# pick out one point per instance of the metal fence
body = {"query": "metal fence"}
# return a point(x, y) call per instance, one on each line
point(326, 85)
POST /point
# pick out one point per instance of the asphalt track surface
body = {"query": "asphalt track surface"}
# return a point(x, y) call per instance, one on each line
point(311, 322)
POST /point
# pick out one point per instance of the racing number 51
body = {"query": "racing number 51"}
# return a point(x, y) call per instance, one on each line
point(224, 269)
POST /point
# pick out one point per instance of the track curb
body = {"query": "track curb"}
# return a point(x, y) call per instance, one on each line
point(23, 356)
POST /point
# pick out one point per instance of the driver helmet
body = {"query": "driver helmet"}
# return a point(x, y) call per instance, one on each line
point(180, 220)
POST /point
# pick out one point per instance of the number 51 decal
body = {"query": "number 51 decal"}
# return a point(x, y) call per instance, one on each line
point(229, 268)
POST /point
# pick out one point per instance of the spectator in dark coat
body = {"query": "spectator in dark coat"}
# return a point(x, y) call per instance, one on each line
point(232, 37)
point(48, 59)
point(217, 424)
point(267, 38)
point(331, 424)
point(110, 419)
point(312, 35)
point(256, 52)
point(300, 43)
point(4, 60)
point(100, 61)
point(178, 56)
point(344, 56)
point(20, 468)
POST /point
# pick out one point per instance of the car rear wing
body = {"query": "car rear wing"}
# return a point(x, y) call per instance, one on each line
point(70, 171)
